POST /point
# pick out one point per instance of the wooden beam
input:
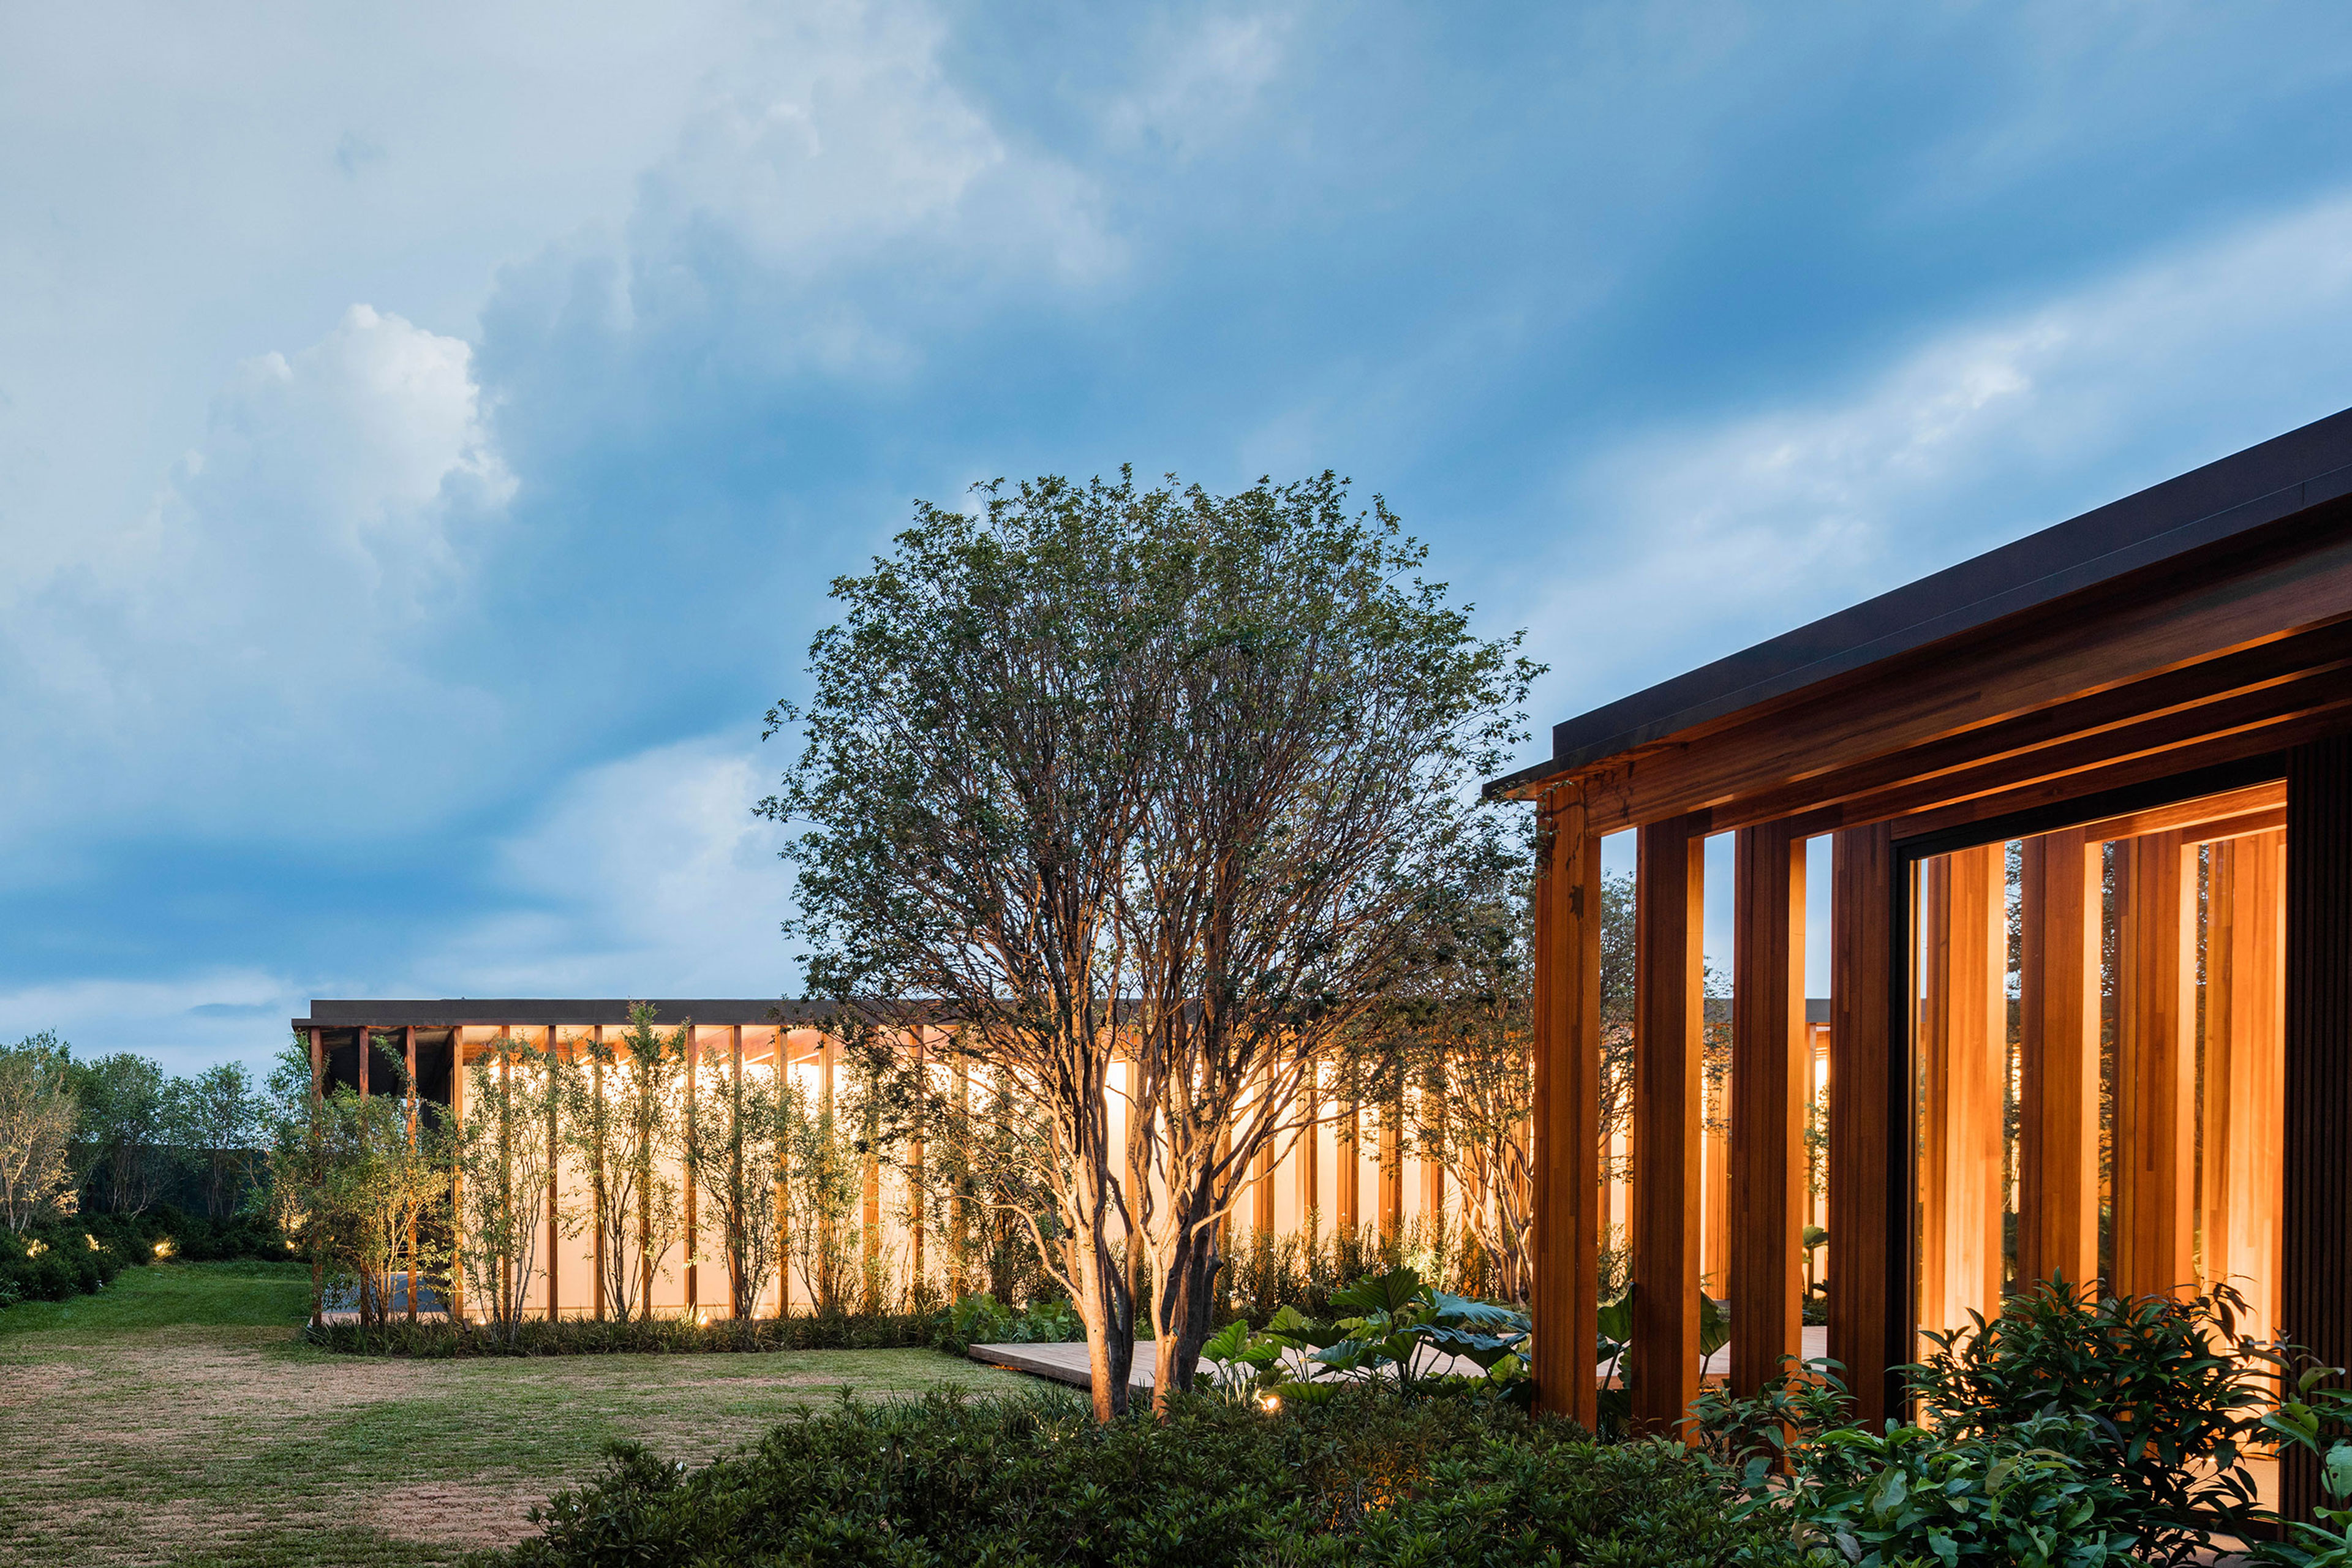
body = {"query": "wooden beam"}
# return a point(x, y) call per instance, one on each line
point(2058, 1060)
point(1668, 1008)
point(2243, 1078)
point(1963, 1085)
point(1870, 1250)
point(2315, 1228)
point(2031, 663)
point(1564, 1294)
point(2156, 1066)
point(2258, 800)
point(1771, 1078)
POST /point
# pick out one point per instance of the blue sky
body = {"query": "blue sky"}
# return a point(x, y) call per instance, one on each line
point(426, 432)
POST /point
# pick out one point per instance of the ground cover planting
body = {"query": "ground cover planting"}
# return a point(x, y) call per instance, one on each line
point(176, 1417)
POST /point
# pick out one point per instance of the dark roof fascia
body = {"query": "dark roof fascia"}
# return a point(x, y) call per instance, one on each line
point(580, 1012)
point(2220, 502)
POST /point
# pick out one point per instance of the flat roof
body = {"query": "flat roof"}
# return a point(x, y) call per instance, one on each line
point(2241, 492)
point(581, 1012)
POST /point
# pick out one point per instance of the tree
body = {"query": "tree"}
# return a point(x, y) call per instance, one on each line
point(1107, 773)
point(1329, 715)
point(123, 1135)
point(742, 1123)
point(219, 1118)
point(621, 1121)
point(984, 718)
point(499, 1154)
point(38, 1116)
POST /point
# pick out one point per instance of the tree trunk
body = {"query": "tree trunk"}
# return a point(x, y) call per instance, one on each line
point(1107, 1307)
point(1183, 1309)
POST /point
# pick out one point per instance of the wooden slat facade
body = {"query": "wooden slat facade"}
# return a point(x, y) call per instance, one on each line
point(2149, 710)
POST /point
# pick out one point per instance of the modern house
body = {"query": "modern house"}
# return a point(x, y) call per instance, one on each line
point(1353, 1174)
point(2087, 800)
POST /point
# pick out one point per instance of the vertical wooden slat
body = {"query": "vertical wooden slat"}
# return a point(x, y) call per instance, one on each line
point(1870, 1255)
point(1392, 1169)
point(2315, 1228)
point(2156, 1065)
point(408, 1055)
point(596, 1174)
point(1565, 1292)
point(1309, 1156)
point(1714, 1183)
point(1433, 1176)
point(318, 1063)
point(2058, 1091)
point(1262, 1163)
point(1350, 1171)
point(693, 1230)
point(456, 1181)
point(781, 1059)
point(1668, 954)
point(1963, 1037)
point(2245, 960)
point(554, 1152)
point(735, 1174)
point(915, 1152)
point(1771, 1076)
point(366, 1049)
point(958, 1221)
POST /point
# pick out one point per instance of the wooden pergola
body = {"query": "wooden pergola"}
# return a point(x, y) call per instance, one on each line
point(2169, 671)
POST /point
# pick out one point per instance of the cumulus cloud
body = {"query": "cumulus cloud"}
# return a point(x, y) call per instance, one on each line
point(211, 657)
point(1701, 539)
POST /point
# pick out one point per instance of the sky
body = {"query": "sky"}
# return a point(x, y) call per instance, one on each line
point(428, 432)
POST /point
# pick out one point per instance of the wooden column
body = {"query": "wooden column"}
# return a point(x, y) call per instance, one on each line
point(596, 1173)
point(1715, 1182)
point(1772, 1081)
point(408, 1056)
point(1870, 1255)
point(1433, 1177)
point(1349, 1200)
point(367, 1050)
point(915, 1152)
point(456, 1181)
point(693, 1231)
point(735, 1213)
point(1261, 1163)
point(1669, 939)
point(959, 1222)
point(1963, 1039)
point(2058, 1091)
point(554, 1186)
point(1392, 1169)
point(318, 1063)
point(1565, 1292)
point(781, 1059)
point(1310, 1157)
point(2244, 1082)
point(2316, 1225)
point(2156, 1065)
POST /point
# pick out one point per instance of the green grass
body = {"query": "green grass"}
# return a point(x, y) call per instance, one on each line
point(175, 1418)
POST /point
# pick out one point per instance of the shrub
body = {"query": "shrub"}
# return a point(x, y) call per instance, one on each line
point(438, 1339)
point(1365, 1478)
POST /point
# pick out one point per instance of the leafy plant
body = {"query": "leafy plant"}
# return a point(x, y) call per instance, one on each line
point(2317, 1419)
point(2157, 1393)
point(1398, 1328)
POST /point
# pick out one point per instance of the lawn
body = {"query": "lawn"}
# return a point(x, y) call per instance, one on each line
point(175, 1418)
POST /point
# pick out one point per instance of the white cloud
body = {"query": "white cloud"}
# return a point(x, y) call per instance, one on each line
point(645, 876)
point(1697, 541)
point(1203, 80)
point(186, 1024)
point(212, 661)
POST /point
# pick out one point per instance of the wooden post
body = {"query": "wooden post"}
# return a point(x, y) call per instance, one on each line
point(915, 1152)
point(2315, 1224)
point(1349, 1170)
point(1310, 1157)
point(782, 1052)
point(1669, 938)
point(457, 1181)
point(596, 1175)
point(1393, 1170)
point(1870, 1255)
point(1772, 1081)
point(827, 1049)
point(1715, 1182)
point(693, 1230)
point(408, 1056)
point(2156, 1065)
point(2243, 1075)
point(2058, 1093)
point(1261, 1163)
point(1963, 1038)
point(959, 1220)
point(554, 1185)
point(1433, 1177)
point(367, 1050)
point(318, 1063)
point(1565, 1292)
point(736, 1192)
